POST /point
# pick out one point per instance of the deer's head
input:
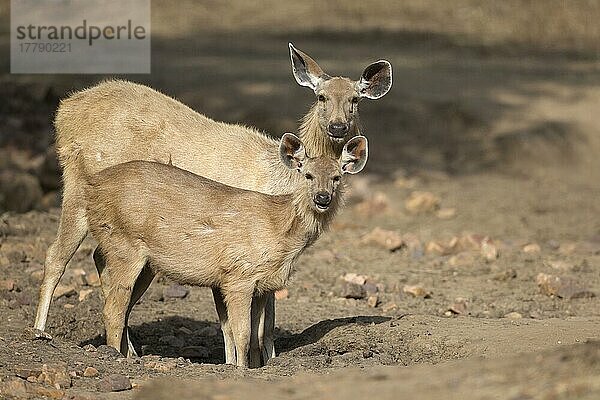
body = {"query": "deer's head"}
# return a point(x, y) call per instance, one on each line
point(338, 97)
point(323, 175)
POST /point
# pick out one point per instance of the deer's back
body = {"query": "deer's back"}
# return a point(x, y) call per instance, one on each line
point(118, 121)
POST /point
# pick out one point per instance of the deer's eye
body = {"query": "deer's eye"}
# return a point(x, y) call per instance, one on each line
point(321, 98)
point(337, 178)
point(309, 177)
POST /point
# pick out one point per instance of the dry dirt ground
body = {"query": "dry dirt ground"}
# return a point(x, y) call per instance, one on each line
point(484, 179)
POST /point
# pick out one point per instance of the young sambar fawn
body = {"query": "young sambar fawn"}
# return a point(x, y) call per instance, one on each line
point(196, 231)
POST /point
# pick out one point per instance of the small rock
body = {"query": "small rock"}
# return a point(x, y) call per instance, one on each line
point(35, 334)
point(413, 245)
point(184, 330)
point(422, 202)
point(461, 260)
point(160, 365)
point(355, 278)
point(26, 372)
point(553, 244)
point(417, 291)
point(549, 284)
point(513, 315)
point(506, 275)
point(175, 292)
point(567, 248)
point(353, 290)
point(560, 265)
point(114, 383)
point(89, 347)
point(374, 205)
point(281, 294)
point(433, 247)
point(386, 239)
point(7, 284)
point(563, 287)
point(489, 251)
point(84, 293)
point(195, 352)
point(532, 248)
point(108, 352)
point(373, 301)
point(387, 307)
point(446, 213)
point(55, 375)
point(92, 279)
point(459, 306)
point(64, 290)
point(90, 372)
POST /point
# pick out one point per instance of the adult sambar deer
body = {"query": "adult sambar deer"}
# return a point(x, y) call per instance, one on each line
point(118, 121)
point(200, 232)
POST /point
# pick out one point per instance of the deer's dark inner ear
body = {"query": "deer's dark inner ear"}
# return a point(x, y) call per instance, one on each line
point(306, 70)
point(376, 80)
point(291, 151)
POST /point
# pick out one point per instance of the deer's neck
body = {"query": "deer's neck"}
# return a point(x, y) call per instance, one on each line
point(315, 138)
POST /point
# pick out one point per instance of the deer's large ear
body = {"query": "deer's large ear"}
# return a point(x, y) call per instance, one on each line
point(354, 156)
point(291, 151)
point(376, 80)
point(306, 70)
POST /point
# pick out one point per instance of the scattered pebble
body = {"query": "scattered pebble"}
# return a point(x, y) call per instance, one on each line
point(55, 375)
point(446, 213)
point(560, 265)
point(90, 372)
point(352, 290)
point(461, 260)
point(422, 202)
point(563, 287)
point(513, 315)
point(114, 383)
point(175, 291)
point(373, 301)
point(84, 293)
point(386, 239)
point(489, 251)
point(160, 365)
point(417, 291)
point(532, 248)
point(355, 278)
point(64, 291)
point(506, 275)
point(376, 204)
point(459, 306)
point(185, 330)
point(7, 284)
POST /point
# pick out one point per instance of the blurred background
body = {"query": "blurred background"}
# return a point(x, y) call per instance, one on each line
point(480, 87)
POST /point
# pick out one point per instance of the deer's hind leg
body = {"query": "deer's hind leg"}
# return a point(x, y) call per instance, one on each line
point(142, 283)
point(119, 277)
point(72, 229)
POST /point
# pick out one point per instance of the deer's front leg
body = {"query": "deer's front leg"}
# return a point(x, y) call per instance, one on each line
point(228, 339)
point(239, 304)
point(257, 326)
point(267, 329)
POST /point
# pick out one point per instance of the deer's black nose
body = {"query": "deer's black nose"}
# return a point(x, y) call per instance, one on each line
point(322, 199)
point(338, 129)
